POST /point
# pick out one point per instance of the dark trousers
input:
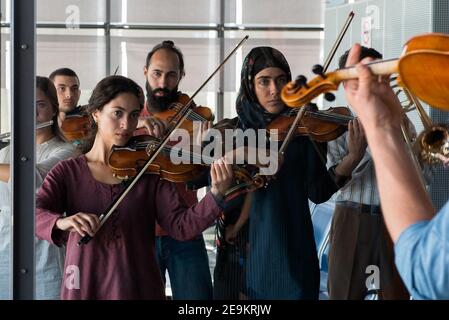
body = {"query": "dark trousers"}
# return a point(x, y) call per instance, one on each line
point(188, 267)
point(358, 240)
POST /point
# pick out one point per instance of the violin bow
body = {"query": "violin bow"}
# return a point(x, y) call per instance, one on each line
point(338, 41)
point(302, 110)
point(155, 152)
point(116, 70)
point(216, 70)
point(325, 67)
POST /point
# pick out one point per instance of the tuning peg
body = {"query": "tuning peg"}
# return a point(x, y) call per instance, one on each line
point(329, 96)
point(301, 81)
point(318, 70)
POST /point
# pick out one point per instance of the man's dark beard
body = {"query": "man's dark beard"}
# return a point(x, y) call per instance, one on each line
point(160, 103)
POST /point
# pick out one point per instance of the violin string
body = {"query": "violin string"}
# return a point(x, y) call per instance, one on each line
point(196, 116)
point(325, 115)
point(188, 155)
point(185, 154)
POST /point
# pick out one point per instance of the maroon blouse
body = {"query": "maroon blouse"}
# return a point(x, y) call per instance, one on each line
point(119, 262)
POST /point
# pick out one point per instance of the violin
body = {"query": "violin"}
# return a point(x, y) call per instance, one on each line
point(321, 126)
point(198, 113)
point(76, 124)
point(125, 162)
point(422, 69)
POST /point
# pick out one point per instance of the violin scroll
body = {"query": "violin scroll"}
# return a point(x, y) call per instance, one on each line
point(298, 93)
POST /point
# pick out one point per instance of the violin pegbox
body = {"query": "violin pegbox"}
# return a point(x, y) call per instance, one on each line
point(301, 81)
point(318, 70)
point(329, 96)
point(297, 93)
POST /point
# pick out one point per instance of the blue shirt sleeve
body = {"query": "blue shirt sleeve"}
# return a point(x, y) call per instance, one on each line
point(422, 257)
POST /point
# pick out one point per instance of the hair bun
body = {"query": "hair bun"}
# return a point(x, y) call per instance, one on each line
point(168, 43)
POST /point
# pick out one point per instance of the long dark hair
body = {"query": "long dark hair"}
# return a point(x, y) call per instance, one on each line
point(48, 88)
point(105, 91)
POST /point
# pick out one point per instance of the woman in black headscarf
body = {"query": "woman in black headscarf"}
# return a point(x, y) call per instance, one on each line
point(273, 256)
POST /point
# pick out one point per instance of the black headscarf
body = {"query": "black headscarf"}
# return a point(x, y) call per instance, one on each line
point(251, 114)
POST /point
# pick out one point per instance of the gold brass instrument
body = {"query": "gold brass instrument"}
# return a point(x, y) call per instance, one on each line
point(431, 145)
point(409, 135)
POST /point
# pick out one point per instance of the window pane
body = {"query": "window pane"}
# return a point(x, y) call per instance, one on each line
point(165, 12)
point(71, 12)
point(4, 78)
point(5, 11)
point(290, 12)
point(84, 52)
point(5, 194)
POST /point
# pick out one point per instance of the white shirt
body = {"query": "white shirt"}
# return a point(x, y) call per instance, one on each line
point(49, 258)
point(362, 187)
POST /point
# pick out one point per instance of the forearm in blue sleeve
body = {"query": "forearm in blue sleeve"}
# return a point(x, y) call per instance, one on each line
point(422, 257)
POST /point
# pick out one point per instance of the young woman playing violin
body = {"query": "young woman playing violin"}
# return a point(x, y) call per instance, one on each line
point(273, 256)
point(50, 149)
point(119, 262)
